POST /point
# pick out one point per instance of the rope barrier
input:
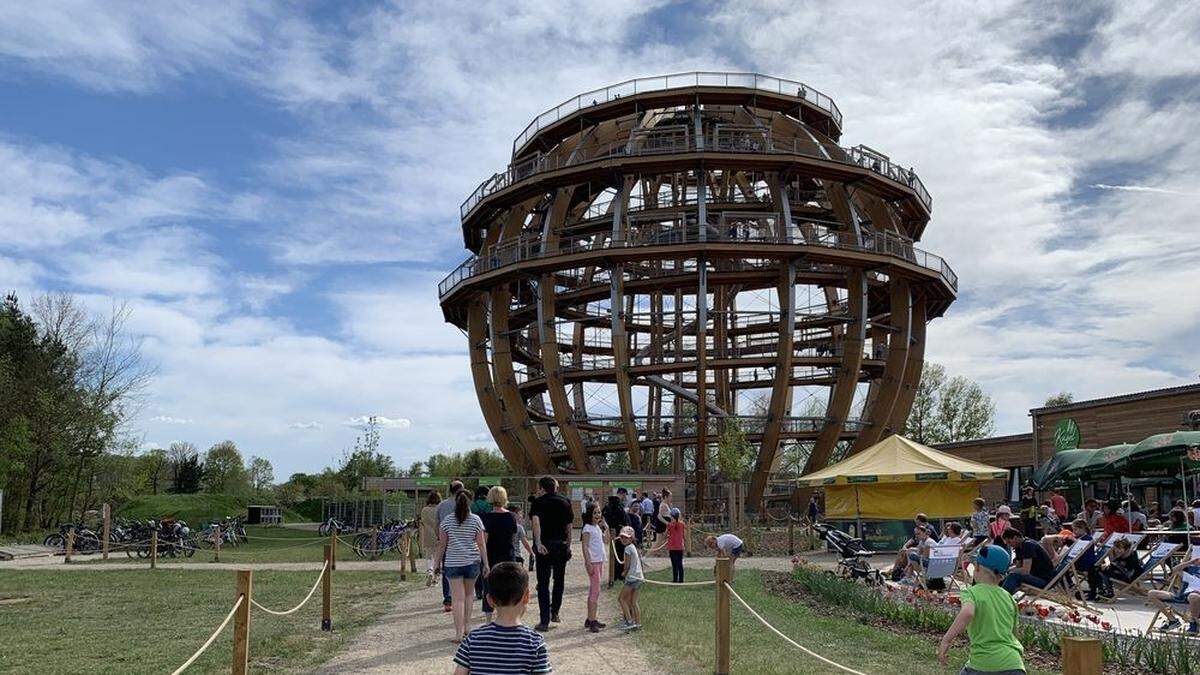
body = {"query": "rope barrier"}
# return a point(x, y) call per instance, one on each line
point(788, 639)
point(324, 570)
point(680, 583)
point(211, 638)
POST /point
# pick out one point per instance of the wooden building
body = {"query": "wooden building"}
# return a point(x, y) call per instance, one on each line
point(1095, 423)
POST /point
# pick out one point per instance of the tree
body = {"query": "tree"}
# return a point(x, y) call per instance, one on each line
point(1061, 398)
point(155, 462)
point(735, 455)
point(416, 469)
point(224, 472)
point(186, 469)
point(949, 409)
point(366, 459)
point(260, 473)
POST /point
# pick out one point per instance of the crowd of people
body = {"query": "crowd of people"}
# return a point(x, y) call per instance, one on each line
point(483, 553)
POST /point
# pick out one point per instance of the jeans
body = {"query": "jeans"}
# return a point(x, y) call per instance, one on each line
point(1014, 580)
point(552, 565)
point(676, 566)
point(445, 590)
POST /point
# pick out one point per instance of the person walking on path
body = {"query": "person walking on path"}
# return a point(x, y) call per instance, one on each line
point(445, 508)
point(552, 517)
point(814, 509)
point(662, 517)
point(989, 616)
point(676, 533)
point(647, 510)
point(463, 556)
point(634, 579)
point(429, 531)
point(500, 536)
point(594, 551)
point(615, 518)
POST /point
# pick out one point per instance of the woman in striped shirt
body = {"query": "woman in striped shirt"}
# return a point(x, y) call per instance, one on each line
point(462, 553)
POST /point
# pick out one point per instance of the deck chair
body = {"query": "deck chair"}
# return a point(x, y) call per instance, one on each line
point(1169, 609)
point(1160, 554)
point(1070, 595)
point(943, 561)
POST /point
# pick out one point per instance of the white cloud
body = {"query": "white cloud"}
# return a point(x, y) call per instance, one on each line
point(306, 426)
point(382, 422)
point(1142, 188)
point(167, 419)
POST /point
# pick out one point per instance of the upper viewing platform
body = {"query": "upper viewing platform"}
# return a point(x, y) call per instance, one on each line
point(762, 91)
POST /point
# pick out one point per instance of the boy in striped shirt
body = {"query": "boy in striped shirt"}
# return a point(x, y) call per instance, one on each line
point(505, 645)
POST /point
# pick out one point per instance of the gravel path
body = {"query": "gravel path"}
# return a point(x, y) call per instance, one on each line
point(414, 637)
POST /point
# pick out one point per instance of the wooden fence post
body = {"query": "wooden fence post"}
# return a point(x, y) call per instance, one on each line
point(153, 548)
point(724, 575)
point(241, 624)
point(404, 544)
point(327, 591)
point(412, 554)
point(1082, 656)
point(70, 545)
point(333, 548)
point(791, 535)
point(107, 514)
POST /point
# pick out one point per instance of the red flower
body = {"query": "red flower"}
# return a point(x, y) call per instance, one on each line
point(1106, 625)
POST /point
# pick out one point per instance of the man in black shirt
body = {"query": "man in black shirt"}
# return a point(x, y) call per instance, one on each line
point(615, 518)
point(1031, 563)
point(552, 517)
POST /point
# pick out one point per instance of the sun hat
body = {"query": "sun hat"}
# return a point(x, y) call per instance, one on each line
point(994, 558)
point(1005, 510)
point(627, 531)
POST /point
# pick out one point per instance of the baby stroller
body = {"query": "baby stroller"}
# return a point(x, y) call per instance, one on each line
point(852, 554)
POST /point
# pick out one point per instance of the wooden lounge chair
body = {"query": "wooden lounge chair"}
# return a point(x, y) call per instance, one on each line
point(943, 562)
point(1070, 596)
point(1160, 554)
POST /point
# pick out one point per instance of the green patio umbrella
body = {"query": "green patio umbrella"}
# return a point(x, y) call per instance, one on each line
point(1050, 474)
point(1099, 464)
point(1162, 455)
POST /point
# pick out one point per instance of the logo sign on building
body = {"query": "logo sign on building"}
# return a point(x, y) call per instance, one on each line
point(1066, 435)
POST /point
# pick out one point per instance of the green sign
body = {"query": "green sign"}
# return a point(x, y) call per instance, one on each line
point(862, 479)
point(490, 480)
point(885, 535)
point(1066, 434)
point(431, 481)
point(633, 485)
point(585, 483)
point(939, 475)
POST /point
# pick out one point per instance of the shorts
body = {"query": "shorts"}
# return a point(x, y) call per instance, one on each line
point(738, 551)
point(461, 571)
point(634, 584)
point(1182, 597)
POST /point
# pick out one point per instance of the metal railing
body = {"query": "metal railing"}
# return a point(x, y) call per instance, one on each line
point(732, 140)
point(644, 85)
point(798, 231)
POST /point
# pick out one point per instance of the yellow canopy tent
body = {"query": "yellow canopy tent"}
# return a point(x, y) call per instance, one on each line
point(896, 478)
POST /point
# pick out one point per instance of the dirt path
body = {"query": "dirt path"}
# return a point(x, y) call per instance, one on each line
point(414, 637)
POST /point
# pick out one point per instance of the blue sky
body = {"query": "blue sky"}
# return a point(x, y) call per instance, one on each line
point(274, 190)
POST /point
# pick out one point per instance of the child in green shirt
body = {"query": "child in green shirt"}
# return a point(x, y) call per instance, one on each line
point(989, 616)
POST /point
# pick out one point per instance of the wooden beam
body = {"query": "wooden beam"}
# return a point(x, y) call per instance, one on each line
point(880, 411)
point(912, 369)
point(564, 415)
point(620, 345)
point(841, 397)
point(489, 399)
point(505, 382)
point(777, 410)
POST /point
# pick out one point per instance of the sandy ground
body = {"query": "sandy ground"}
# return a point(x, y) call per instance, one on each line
point(414, 637)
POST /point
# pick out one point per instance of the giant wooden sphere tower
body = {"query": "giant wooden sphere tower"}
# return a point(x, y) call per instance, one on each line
point(672, 257)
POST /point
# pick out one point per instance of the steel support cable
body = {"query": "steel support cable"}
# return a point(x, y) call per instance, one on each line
point(211, 638)
point(324, 571)
point(795, 644)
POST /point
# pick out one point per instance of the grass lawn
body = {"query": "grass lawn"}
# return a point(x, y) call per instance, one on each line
point(134, 621)
point(678, 633)
point(277, 544)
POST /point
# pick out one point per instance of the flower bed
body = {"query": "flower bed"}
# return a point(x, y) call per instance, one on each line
point(1124, 651)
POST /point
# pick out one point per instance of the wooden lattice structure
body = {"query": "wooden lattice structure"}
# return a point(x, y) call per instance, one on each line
point(699, 237)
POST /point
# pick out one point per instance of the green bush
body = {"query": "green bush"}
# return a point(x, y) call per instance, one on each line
point(308, 510)
point(1131, 651)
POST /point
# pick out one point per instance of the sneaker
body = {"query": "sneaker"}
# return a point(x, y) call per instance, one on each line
point(626, 626)
point(541, 628)
point(599, 624)
point(446, 607)
point(1170, 624)
point(633, 626)
point(554, 619)
point(429, 579)
point(593, 628)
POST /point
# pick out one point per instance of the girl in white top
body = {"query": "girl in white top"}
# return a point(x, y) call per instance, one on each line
point(593, 562)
